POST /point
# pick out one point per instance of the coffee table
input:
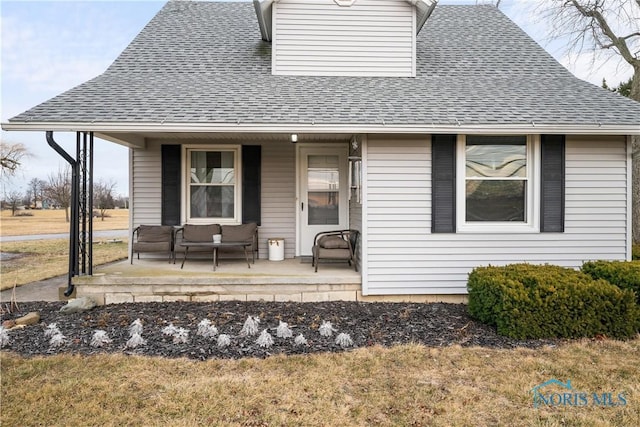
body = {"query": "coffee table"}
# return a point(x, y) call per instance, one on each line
point(215, 247)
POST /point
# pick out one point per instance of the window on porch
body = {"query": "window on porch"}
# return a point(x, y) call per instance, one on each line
point(213, 184)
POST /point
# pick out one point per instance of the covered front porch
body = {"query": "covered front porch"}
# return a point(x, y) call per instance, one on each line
point(153, 279)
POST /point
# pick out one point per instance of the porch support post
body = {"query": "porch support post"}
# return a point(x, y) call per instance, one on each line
point(81, 221)
point(84, 149)
point(73, 225)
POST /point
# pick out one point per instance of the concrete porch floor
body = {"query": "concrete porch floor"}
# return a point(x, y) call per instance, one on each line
point(157, 280)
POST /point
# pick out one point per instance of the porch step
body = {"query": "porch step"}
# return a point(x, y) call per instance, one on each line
point(105, 291)
point(159, 281)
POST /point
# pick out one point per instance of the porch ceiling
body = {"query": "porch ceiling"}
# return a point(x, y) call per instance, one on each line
point(138, 140)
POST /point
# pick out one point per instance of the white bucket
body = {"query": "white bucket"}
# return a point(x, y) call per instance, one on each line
point(276, 248)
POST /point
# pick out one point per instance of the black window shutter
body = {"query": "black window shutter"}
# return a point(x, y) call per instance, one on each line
point(251, 183)
point(552, 185)
point(443, 191)
point(171, 184)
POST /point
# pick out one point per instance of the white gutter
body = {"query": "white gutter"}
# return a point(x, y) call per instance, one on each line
point(150, 127)
point(424, 9)
point(264, 14)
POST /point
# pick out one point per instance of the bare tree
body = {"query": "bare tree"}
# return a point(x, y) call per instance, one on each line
point(35, 191)
point(103, 196)
point(58, 189)
point(11, 156)
point(609, 26)
point(13, 199)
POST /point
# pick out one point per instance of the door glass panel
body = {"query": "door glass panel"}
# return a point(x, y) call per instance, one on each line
point(323, 184)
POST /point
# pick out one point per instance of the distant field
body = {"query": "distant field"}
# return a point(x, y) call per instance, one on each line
point(53, 221)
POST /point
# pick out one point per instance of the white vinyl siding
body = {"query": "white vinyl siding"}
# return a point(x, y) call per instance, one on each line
point(405, 258)
point(368, 38)
point(146, 177)
point(277, 192)
point(278, 196)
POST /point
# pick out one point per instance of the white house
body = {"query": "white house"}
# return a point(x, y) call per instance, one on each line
point(446, 135)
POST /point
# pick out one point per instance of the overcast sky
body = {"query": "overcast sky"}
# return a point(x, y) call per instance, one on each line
point(51, 46)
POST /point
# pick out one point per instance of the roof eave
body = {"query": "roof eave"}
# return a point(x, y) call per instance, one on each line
point(437, 128)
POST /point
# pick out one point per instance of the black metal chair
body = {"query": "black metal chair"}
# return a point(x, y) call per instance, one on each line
point(339, 245)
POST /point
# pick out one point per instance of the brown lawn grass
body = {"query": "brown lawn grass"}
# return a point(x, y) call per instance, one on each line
point(53, 221)
point(400, 386)
point(43, 259)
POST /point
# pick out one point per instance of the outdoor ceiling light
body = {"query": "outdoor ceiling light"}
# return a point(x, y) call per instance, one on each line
point(294, 137)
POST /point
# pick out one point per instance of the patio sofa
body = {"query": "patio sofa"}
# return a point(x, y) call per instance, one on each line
point(204, 233)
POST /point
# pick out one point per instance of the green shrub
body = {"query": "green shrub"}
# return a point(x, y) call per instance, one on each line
point(635, 251)
point(544, 301)
point(625, 275)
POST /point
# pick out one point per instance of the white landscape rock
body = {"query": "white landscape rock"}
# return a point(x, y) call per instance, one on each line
point(78, 305)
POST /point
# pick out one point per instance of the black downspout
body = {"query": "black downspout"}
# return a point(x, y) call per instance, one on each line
point(73, 228)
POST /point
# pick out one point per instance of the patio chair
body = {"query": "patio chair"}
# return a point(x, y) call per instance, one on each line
point(337, 245)
point(152, 238)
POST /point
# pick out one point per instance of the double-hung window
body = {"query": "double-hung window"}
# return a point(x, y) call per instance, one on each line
point(213, 187)
point(496, 183)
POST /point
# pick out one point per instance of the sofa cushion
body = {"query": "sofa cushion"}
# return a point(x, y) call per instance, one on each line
point(324, 253)
point(238, 233)
point(152, 246)
point(155, 233)
point(200, 232)
point(332, 242)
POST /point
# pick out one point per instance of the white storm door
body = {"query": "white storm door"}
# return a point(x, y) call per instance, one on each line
point(323, 203)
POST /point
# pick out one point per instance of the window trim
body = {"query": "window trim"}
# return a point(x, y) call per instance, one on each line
point(186, 180)
point(532, 224)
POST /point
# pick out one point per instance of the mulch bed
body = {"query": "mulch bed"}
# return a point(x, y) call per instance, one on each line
point(368, 324)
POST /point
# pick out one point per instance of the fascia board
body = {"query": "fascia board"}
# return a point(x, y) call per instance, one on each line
point(525, 128)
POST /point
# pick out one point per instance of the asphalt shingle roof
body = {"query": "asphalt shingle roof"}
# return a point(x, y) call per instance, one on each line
point(204, 62)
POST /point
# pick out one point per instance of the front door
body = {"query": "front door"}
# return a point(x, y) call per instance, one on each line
point(323, 193)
